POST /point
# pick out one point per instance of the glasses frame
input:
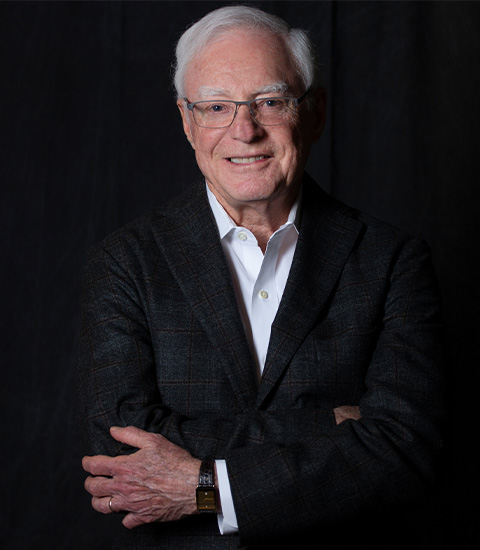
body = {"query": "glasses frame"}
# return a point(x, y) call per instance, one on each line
point(191, 105)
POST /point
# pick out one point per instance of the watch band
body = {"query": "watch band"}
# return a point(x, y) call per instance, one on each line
point(206, 494)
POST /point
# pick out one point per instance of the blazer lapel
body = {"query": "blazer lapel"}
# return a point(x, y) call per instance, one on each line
point(195, 257)
point(325, 240)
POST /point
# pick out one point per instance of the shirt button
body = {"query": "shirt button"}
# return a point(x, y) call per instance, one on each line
point(264, 294)
point(242, 236)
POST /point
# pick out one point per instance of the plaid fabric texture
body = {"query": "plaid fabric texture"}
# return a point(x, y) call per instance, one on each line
point(163, 348)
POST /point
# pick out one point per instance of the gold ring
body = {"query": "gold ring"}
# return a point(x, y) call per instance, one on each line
point(110, 505)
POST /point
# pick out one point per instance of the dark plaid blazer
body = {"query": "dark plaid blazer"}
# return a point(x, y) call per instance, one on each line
point(163, 348)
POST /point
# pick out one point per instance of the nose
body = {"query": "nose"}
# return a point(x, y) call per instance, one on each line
point(244, 127)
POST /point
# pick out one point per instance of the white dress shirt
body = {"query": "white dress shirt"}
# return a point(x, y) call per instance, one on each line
point(259, 281)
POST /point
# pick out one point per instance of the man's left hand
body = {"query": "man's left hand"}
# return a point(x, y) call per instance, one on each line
point(156, 483)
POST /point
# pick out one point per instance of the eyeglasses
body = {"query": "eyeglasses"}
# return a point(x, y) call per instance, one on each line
point(267, 111)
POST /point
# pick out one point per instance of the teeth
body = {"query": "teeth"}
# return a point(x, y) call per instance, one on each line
point(246, 160)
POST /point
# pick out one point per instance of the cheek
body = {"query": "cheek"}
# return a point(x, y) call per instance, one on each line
point(205, 157)
point(201, 148)
point(205, 143)
point(293, 153)
point(290, 139)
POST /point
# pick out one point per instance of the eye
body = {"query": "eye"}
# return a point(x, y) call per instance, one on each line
point(271, 104)
point(217, 108)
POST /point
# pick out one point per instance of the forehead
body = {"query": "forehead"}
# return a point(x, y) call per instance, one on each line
point(242, 62)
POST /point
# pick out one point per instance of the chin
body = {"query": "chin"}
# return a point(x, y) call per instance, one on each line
point(254, 192)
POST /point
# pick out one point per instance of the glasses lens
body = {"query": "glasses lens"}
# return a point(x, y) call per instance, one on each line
point(214, 114)
point(273, 111)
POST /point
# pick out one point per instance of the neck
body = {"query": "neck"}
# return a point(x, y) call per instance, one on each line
point(261, 217)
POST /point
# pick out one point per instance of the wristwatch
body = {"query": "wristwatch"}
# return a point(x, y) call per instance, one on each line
point(206, 491)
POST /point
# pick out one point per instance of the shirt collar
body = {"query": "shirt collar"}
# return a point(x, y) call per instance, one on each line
point(225, 223)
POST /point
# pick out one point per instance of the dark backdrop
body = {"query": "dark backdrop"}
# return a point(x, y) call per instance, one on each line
point(90, 138)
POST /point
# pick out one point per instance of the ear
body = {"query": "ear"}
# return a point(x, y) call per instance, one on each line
point(320, 112)
point(186, 121)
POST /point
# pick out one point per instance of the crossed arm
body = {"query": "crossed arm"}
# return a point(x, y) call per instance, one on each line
point(157, 482)
point(390, 451)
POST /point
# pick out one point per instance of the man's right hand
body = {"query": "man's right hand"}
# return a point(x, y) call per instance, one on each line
point(346, 412)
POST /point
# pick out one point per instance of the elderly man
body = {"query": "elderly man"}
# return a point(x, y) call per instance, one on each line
point(257, 349)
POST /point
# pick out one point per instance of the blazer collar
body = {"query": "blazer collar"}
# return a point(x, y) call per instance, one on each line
point(191, 245)
point(327, 235)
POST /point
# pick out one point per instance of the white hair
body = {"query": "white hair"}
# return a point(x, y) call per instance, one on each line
point(218, 22)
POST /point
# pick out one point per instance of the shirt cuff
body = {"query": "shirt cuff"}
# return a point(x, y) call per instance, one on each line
point(227, 519)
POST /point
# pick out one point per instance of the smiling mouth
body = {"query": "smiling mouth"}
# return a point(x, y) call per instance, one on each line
point(247, 160)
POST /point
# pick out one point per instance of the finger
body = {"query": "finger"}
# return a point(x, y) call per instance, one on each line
point(101, 505)
point(114, 505)
point(99, 486)
point(99, 465)
point(354, 412)
point(135, 437)
point(346, 413)
point(131, 520)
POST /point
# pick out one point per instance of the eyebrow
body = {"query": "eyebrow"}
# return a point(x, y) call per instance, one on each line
point(205, 91)
point(277, 87)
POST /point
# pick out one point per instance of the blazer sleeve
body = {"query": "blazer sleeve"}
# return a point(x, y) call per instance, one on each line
point(385, 458)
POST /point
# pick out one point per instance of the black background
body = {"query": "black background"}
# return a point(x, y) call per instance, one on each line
point(90, 138)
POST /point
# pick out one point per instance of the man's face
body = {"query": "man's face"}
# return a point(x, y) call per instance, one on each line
point(247, 162)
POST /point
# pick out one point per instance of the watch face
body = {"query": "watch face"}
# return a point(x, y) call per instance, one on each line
point(206, 499)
